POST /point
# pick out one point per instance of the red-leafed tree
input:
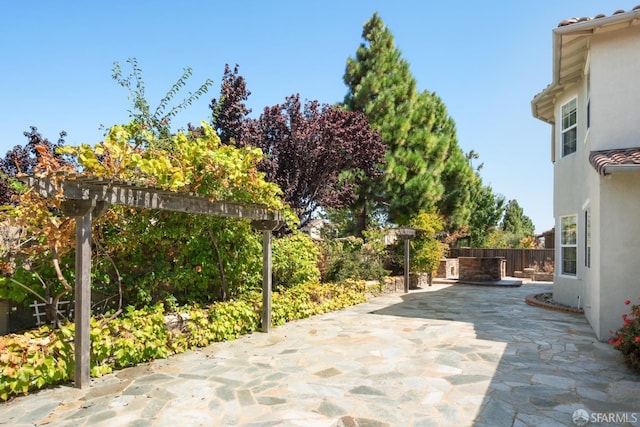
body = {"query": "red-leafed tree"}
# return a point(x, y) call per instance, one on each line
point(317, 154)
point(23, 159)
point(230, 111)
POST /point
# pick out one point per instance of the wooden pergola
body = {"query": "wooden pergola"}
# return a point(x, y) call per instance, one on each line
point(85, 197)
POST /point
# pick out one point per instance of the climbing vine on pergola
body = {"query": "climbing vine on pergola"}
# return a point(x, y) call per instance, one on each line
point(85, 196)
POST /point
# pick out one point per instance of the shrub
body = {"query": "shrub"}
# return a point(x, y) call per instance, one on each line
point(426, 250)
point(295, 261)
point(354, 258)
point(219, 263)
point(627, 339)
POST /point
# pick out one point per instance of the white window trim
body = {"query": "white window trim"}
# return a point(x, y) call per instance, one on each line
point(587, 104)
point(573, 126)
point(587, 237)
point(562, 246)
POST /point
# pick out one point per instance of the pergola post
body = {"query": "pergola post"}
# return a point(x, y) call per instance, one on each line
point(266, 227)
point(266, 280)
point(406, 266)
point(82, 209)
point(406, 234)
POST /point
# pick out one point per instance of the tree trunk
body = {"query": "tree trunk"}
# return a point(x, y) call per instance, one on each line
point(361, 217)
point(223, 283)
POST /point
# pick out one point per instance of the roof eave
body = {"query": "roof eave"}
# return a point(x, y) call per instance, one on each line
point(546, 97)
point(611, 169)
point(542, 104)
point(592, 24)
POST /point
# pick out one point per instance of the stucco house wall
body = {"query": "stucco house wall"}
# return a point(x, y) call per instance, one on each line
point(615, 92)
point(619, 249)
point(597, 61)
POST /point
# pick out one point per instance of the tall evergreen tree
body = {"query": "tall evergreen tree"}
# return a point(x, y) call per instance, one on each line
point(487, 210)
point(419, 135)
point(515, 221)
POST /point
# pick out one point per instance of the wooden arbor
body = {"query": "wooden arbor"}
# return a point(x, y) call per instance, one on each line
point(85, 197)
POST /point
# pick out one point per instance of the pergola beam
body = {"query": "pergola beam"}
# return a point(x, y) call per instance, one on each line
point(128, 194)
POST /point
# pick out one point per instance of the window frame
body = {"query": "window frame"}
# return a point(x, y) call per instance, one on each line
point(587, 238)
point(569, 245)
point(569, 127)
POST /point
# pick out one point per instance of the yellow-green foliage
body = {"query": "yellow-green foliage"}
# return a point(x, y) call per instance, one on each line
point(426, 250)
point(295, 261)
point(196, 162)
point(138, 336)
point(45, 356)
point(304, 301)
point(35, 359)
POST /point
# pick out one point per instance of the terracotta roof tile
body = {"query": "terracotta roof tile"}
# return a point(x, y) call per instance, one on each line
point(622, 156)
point(570, 21)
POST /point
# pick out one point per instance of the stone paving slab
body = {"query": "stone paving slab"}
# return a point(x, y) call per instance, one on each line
point(448, 355)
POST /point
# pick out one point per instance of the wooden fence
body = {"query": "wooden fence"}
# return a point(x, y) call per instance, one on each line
point(517, 259)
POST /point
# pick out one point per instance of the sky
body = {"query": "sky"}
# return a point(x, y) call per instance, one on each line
point(486, 60)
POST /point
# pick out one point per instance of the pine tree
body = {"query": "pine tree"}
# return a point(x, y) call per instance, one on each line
point(419, 135)
point(515, 221)
point(487, 210)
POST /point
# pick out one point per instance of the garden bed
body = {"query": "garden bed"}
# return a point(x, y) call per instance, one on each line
point(545, 300)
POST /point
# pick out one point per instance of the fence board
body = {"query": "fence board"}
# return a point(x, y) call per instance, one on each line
point(517, 259)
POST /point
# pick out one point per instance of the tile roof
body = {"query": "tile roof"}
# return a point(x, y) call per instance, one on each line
point(570, 21)
point(622, 156)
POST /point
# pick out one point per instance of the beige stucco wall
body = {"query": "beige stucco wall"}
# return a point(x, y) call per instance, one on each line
point(619, 249)
point(614, 201)
point(615, 106)
point(615, 92)
point(591, 274)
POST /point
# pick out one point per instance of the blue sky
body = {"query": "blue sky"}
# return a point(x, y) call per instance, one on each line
point(485, 59)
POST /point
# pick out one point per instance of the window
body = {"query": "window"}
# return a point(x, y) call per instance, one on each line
point(568, 246)
point(587, 238)
point(569, 128)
